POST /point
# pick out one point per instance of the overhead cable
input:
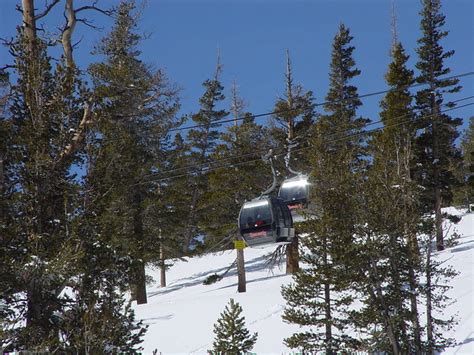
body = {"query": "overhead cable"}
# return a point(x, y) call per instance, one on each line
point(260, 152)
point(361, 133)
point(357, 97)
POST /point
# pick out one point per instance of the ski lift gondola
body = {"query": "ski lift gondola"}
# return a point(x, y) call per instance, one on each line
point(295, 192)
point(266, 220)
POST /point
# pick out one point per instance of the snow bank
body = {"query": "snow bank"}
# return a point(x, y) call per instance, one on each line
point(181, 315)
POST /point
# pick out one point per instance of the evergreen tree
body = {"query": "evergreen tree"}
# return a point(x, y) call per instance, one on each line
point(465, 171)
point(231, 335)
point(295, 112)
point(129, 142)
point(44, 111)
point(48, 111)
point(202, 142)
point(8, 261)
point(436, 152)
point(232, 185)
point(135, 108)
point(318, 297)
point(168, 207)
point(392, 216)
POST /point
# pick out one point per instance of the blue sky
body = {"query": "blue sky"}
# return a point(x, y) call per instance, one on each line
point(252, 37)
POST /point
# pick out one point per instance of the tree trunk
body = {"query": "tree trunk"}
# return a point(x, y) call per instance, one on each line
point(162, 266)
point(327, 299)
point(191, 221)
point(140, 285)
point(429, 311)
point(328, 319)
point(379, 298)
point(29, 23)
point(66, 39)
point(292, 254)
point(414, 308)
point(242, 286)
point(292, 257)
point(398, 287)
point(436, 164)
point(414, 261)
point(438, 220)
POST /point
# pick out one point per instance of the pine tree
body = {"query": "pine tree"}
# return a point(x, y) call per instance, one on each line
point(202, 143)
point(295, 111)
point(231, 335)
point(317, 297)
point(168, 207)
point(223, 199)
point(45, 109)
point(392, 216)
point(48, 111)
point(137, 108)
point(465, 171)
point(8, 265)
point(435, 148)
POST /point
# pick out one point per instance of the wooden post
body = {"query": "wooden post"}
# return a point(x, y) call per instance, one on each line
point(162, 264)
point(242, 283)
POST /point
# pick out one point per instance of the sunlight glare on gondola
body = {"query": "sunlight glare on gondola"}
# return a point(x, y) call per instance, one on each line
point(255, 204)
point(295, 183)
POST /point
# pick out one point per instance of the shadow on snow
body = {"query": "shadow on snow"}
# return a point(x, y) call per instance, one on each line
point(256, 264)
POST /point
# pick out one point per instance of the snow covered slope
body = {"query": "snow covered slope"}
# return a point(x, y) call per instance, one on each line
point(181, 315)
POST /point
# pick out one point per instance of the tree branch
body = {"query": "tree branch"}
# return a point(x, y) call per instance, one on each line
point(47, 10)
point(89, 24)
point(93, 7)
point(70, 15)
point(79, 135)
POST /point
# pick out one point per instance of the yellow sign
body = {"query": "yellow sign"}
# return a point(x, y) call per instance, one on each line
point(239, 244)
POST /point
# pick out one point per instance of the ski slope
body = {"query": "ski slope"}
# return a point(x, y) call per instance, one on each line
point(181, 315)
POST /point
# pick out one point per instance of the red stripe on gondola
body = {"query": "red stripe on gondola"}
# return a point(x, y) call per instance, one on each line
point(295, 206)
point(258, 234)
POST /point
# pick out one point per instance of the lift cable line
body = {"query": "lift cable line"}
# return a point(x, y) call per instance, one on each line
point(204, 171)
point(357, 97)
point(232, 165)
point(263, 151)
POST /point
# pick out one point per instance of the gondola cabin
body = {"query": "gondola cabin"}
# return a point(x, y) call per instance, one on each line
point(295, 192)
point(266, 220)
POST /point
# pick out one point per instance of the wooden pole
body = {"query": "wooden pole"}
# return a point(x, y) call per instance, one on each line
point(242, 283)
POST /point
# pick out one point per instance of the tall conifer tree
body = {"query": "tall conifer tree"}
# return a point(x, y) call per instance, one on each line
point(392, 216)
point(202, 142)
point(138, 107)
point(465, 193)
point(317, 298)
point(295, 112)
point(232, 185)
point(435, 148)
point(45, 109)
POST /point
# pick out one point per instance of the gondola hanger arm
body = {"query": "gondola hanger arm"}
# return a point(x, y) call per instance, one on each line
point(268, 158)
point(292, 143)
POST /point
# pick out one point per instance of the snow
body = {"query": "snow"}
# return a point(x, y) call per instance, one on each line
point(181, 315)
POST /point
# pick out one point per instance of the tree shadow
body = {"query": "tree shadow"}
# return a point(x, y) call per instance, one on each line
point(463, 246)
point(254, 265)
point(464, 342)
point(249, 282)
